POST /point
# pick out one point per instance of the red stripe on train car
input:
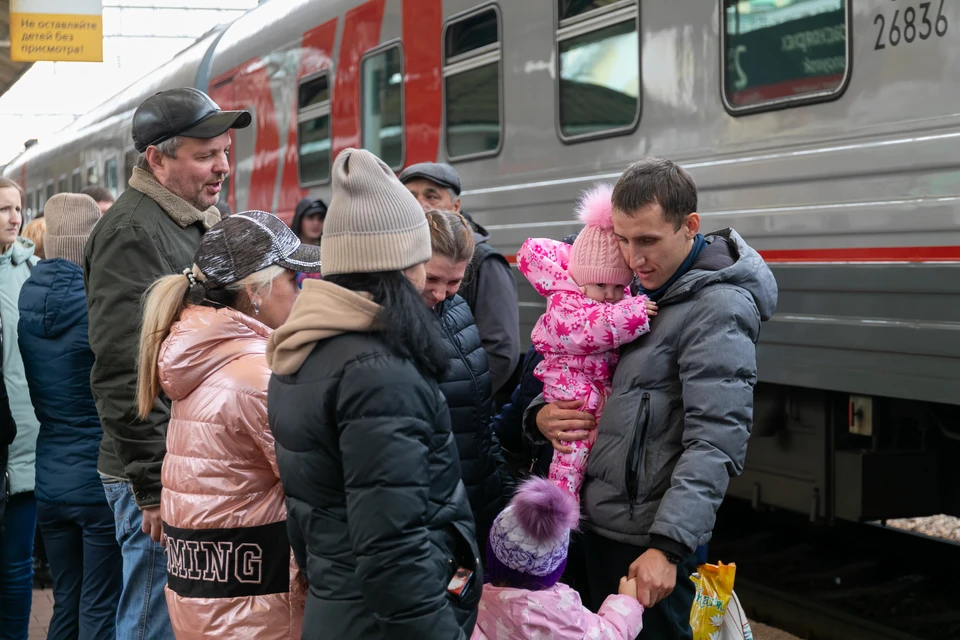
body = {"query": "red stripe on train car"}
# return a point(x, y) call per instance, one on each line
point(361, 31)
point(859, 255)
point(422, 30)
point(316, 52)
point(863, 254)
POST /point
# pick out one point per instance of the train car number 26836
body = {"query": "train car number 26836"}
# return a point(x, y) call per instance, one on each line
point(910, 24)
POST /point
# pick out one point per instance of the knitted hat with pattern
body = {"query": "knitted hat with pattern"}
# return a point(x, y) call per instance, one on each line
point(70, 219)
point(527, 547)
point(596, 257)
point(373, 223)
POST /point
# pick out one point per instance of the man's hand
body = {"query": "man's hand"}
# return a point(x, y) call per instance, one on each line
point(152, 524)
point(560, 422)
point(655, 577)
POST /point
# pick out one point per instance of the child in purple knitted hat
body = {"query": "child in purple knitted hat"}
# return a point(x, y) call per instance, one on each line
point(526, 555)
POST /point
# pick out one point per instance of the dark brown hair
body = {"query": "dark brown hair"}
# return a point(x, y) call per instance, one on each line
point(656, 181)
point(99, 194)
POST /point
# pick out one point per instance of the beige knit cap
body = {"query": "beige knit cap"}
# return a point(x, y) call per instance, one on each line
point(70, 219)
point(373, 223)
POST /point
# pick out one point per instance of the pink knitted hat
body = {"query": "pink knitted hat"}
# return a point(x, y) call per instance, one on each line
point(595, 257)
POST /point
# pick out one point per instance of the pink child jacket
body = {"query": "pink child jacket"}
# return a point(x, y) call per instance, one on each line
point(578, 337)
point(230, 571)
point(555, 613)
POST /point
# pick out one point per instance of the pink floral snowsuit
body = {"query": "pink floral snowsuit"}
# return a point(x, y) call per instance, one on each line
point(579, 339)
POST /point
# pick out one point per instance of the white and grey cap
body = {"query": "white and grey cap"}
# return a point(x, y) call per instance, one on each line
point(250, 241)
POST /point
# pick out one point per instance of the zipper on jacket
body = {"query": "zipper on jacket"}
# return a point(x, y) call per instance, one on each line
point(636, 449)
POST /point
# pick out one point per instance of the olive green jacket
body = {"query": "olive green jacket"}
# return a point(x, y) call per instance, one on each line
point(147, 234)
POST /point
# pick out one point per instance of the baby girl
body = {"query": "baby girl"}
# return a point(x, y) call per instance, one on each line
point(590, 315)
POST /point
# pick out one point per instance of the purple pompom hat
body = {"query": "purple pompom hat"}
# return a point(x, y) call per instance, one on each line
point(527, 547)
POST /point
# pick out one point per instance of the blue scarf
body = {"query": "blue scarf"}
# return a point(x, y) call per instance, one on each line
point(698, 244)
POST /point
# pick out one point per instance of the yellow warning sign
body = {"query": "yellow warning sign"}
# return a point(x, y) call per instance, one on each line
point(56, 30)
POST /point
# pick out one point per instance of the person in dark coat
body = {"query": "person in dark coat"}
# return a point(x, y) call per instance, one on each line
point(466, 385)
point(76, 523)
point(308, 225)
point(490, 288)
point(377, 514)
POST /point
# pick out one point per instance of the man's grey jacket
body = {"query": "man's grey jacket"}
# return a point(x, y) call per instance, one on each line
point(676, 425)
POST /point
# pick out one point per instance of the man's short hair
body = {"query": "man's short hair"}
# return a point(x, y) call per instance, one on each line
point(99, 194)
point(656, 181)
point(168, 148)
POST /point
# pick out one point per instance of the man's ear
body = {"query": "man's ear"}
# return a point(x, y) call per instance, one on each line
point(456, 206)
point(154, 158)
point(692, 225)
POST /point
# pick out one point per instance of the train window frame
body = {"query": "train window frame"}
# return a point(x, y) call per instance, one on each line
point(49, 191)
point(91, 166)
point(311, 113)
point(63, 180)
point(470, 61)
point(115, 189)
point(787, 102)
point(371, 53)
point(584, 24)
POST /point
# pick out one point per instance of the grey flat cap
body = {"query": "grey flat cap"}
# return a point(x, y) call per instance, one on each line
point(442, 174)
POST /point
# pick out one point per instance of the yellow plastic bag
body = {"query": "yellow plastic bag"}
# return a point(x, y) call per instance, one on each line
point(714, 590)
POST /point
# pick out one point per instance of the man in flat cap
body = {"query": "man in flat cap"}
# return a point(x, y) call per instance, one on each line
point(152, 230)
point(490, 288)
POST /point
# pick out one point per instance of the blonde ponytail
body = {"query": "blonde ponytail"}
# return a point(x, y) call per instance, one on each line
point(163, 302)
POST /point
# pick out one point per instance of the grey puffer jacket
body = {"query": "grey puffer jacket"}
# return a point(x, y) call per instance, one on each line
point(676, 425)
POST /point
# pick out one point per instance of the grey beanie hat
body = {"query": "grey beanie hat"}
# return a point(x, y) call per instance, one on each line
point(373, 223)
point(70, 219)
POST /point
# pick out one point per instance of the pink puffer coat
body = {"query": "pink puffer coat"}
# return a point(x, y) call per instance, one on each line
point(230, 570)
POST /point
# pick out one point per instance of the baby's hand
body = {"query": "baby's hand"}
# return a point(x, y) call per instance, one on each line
point(651, 307)
point(628, 587)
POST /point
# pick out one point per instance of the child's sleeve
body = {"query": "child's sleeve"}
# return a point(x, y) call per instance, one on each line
point(544, 263)
point(620, 615)
point(582, 327)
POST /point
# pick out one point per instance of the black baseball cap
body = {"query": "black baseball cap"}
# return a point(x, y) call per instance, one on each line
point(250, 241)
point(182, 112)
point(442, 174)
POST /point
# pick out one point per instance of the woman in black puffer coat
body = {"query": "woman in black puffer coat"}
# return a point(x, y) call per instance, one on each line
point(376, 513)
point(466, 384)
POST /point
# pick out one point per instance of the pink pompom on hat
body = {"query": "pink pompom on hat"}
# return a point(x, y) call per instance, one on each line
point(596, 257)
point(527, 547)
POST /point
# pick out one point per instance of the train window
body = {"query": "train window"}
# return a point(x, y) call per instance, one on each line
point(783, 54)
point(93, 177)
point(313, 129)
point(471, 75)
point(129, 162)
point(77, 181)
point(382, 105)
point(63, 184)
point(599, 70)
point(50, 190)
point(110, 175)
point(41, 199)
point(31, 202)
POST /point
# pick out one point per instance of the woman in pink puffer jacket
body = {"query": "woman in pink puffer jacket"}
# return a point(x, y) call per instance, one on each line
point(230, 570)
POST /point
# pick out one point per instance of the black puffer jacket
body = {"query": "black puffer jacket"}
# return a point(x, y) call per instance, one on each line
point(466, 386)
point(377, 514)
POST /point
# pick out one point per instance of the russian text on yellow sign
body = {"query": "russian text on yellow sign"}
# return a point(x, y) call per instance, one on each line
point(36, 37)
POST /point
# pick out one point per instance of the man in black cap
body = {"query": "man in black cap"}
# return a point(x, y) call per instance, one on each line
point(490, 288)
point(152, 230)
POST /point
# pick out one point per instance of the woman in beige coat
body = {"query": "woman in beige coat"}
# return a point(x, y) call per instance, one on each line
point(230, 571)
